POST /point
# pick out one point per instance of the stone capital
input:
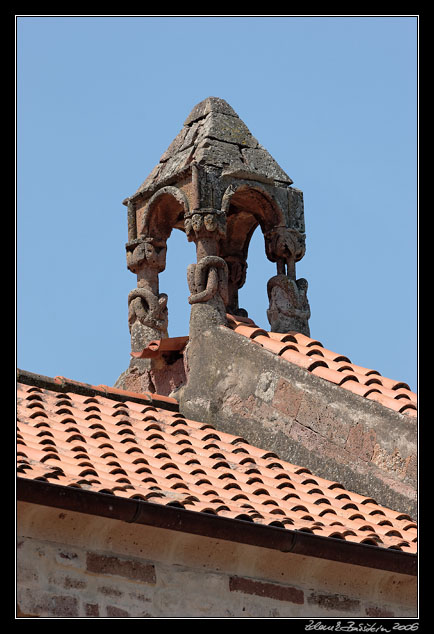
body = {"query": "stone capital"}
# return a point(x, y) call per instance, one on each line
point(146, 252)
point(205, 223)
point(285, 246)
point(284, 243)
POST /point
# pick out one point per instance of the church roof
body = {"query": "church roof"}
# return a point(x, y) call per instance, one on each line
point(138, 446)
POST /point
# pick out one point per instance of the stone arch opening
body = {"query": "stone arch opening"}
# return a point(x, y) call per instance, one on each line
point(146, 257)
point(247, 207)
point(164, 211)
point(252, 295)
point(173, 280)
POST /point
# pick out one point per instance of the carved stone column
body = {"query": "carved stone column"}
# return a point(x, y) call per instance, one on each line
point(289, 307)
point(237, 271)
point(208, 277)
point(147, 307)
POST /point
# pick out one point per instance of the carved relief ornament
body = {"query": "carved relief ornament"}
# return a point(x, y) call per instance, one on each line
point(207, 279)
point(203, 223)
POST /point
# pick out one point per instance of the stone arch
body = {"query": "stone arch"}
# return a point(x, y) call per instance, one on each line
point(246, 207)
point(260, 201)
point(146, 257)
point(164, 211)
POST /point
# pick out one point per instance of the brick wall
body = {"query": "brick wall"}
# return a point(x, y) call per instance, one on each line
point(60, 581)
point(71, 565)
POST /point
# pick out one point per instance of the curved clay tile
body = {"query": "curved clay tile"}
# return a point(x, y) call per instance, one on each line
point(332, 362)
point(174, 461)
point(359, 388)
point(303, 361)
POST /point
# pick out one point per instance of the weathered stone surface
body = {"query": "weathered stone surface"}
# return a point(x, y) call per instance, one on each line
point(296, 208)
point(334, 602)
point(146, 311)
point(269, 590)
point(109, 565)
point(210, 104)
point(147, 375)
point(213, 134)
point(289, 307)
point(176, 145)
point(245, 390)
point(148, 252)
point(218, 153)
point(259, 161)
point(176, 164)
point(224, 128)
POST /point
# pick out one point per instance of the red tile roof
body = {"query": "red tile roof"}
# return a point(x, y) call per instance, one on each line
point(311, 355)
point(114, 442)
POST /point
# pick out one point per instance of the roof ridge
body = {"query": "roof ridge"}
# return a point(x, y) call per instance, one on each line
point(62, 384)
point(335, 368)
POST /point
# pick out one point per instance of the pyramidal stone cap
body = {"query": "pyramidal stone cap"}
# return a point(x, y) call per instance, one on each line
point(214, 136)
point(211, 104)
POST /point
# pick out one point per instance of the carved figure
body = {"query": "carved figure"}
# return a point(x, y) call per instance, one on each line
point(201, 223)
point(146, 251)
point(289, 307)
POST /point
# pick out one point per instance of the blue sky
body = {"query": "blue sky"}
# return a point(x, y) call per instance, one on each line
point(99, 99)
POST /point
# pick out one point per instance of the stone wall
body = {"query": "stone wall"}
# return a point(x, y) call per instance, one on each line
point(242, 389)
point(71, 565)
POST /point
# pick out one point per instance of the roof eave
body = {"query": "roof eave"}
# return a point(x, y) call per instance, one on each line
point(213, 526)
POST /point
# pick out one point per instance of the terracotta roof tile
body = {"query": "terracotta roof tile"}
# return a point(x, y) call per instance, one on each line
point(140, 451)
point(336, 368)
point(157, 347)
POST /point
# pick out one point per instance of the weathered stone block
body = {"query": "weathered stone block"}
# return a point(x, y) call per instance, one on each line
point(268, 590)
point(106, 565)
point(92, 609)
point(218, 153)
point(42, 603)
point(361, 442)
point(116, 613)
point(176, 164)
point(176, 145)
point(210, 104)
point(334, 602)
point(324, 420)
point(226, 128)
point(296, 208)
point(259, 161)
point(287, 398)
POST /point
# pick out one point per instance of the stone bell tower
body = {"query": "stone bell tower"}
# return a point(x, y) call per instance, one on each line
point(216, 183)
